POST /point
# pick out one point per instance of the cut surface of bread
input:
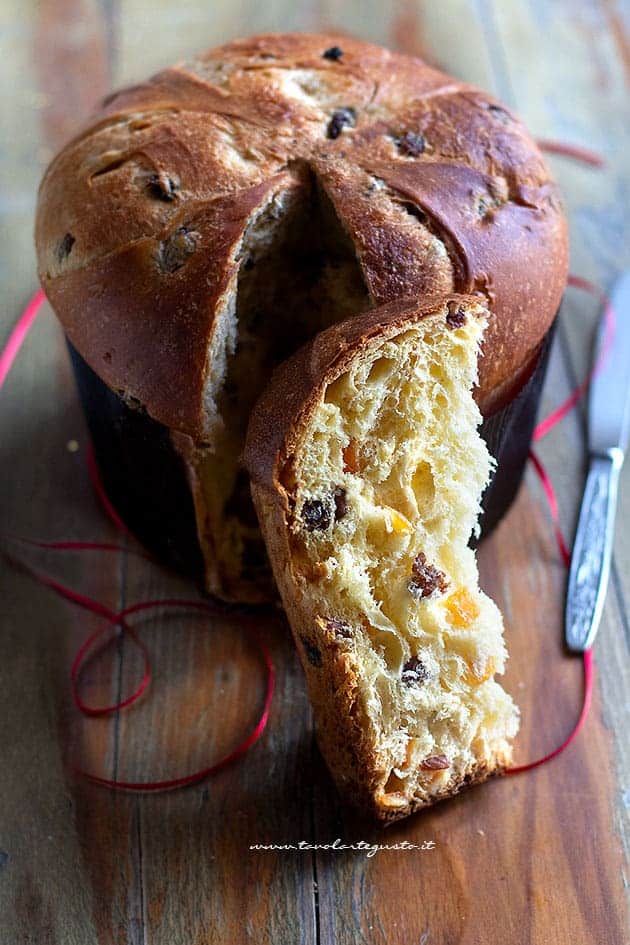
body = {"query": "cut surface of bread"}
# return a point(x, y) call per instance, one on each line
point(367, 501)
point(298, 275)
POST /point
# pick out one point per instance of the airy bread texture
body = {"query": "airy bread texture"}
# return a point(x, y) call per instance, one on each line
point(367, 505)
point(297, 280)
point(211, 219)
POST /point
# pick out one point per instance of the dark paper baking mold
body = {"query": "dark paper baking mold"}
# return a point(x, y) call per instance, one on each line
point(145, 478)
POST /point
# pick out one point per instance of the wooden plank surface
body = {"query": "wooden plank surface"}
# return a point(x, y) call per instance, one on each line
point(534, 859)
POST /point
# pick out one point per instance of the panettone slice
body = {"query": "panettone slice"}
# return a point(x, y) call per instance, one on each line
point(367, 472)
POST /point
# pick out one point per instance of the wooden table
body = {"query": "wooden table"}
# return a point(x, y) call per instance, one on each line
point(531, 859)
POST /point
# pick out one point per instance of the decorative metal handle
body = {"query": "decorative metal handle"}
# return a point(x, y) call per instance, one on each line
point(592, 551)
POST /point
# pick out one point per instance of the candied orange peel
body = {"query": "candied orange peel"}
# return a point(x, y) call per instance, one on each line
point(351, 457)
point(461, 609)
point(400, 524)
point(478, 673)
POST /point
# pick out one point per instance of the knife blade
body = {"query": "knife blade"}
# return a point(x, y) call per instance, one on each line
point(608, 431)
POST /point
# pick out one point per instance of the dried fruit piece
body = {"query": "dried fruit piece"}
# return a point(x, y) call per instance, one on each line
point(461, 609)
point(334, 53)
point(395, 800)
point(477, 674)
point(414, 211)
point(435, 763)
point(411, 144)
point(341, 503)
point(315, 515)
point(351, 460)
point(486, 205)
point(414, 672)
point(425, 578)
point(162, 186)
point(313, 653)
point(341, 118)
point(399, 524)
point(456, 316)
point(504, 117)
point(176, 248)
point(64, 247)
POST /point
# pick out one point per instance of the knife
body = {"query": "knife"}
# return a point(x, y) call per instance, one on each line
point(608, 430)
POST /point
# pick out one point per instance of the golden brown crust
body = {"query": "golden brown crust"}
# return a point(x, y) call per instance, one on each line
point(278, 424)
point(140, 217)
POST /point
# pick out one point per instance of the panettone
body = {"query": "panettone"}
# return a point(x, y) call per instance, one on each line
point(210, 220)
point(367, 492)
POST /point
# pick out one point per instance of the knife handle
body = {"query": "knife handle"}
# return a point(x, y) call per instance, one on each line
point(592, 551)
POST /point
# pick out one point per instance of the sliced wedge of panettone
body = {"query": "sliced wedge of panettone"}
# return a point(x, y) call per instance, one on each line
point(367, 472)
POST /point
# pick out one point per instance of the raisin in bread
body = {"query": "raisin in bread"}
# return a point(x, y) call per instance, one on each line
point(367, 471)
point(210, 220)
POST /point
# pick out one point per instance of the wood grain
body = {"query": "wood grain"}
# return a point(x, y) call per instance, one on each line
point(534, 859)
point(593, 73)
point(71, 58)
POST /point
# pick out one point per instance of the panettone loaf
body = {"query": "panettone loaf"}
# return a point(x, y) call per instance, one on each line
point(367, 471)
point(211, 219)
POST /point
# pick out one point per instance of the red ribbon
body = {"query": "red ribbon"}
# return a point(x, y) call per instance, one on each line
point(18, 335)
point(589, 672)
point(542, 429)
point(576, 151)
point(576, 395)
point(102, 496)
point(119, 618)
